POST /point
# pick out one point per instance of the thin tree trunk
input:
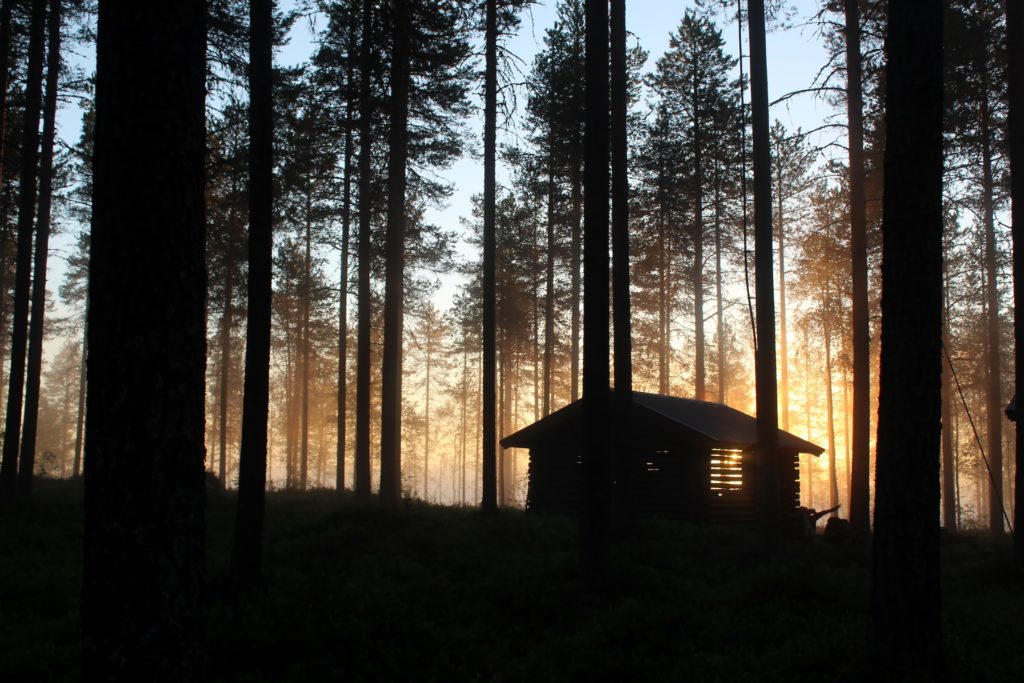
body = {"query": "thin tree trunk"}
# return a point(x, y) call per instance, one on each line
point(394, 261)
point(949, 520)
point(307, 292)
point(225, 371)
point(663, 306)
point(994, 388)
point(860, 494)
point(362, 458)
point(905, 623)
point(426, 430)
point(575, 218)
point(247, 552)
point(549, 286)
point(346, 221)
point(23, 263)
point(623, 369)
point(594, 520)
point(144, 556)
point(698, 250)
point(26, 469)
point(489, 502)
point(465, 400)
point(783, 345)
point(833, 483)
point(80, 418)
point(767, 391)
point(719, 309)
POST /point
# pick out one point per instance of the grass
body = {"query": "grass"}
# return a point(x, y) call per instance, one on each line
point(425, 593)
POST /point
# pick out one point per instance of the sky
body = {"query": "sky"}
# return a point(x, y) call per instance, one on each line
point(795, 56)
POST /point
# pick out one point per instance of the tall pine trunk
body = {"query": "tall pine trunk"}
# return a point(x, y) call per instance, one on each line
point(225, 372)
point(1015, 49)
point(394, 260)
point(549, 286)
point(764, 361)
point(144, 557)
point(594, 520)
point(489, 502)
point(861, 475)
point(35, 333)
point(362, 456)
point(76, 470)
point(247, 552)
point(346, 225)
point(23, 262)
point(623, 368)
point(833, 478)
point(994, 385)
point(783, 338)
point(307, 289)
point(905, 623)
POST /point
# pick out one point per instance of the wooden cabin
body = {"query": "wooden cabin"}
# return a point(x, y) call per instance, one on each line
point(690, 460)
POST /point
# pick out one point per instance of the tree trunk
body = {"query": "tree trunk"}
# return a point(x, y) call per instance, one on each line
point(994, 388)
point(594, 519)
point(346, 221)
point(394, 261)
point(307, 292)
point(783, 345)
point(833, 479)
point(23, 263)
point(860, 496)
point(247, 552)
point(80, 418)
point(575, 218)
point(35, 337)
point(698, 260)
point(426, 432)
point(1015, 50)
point(225, 372)
point(144, 557)
point(905, 608)
point(767, 391)
point(361, 472)
point(623, 344)
point(719, 309)
point(948, 466)
point(663, 317)
point(489, 502)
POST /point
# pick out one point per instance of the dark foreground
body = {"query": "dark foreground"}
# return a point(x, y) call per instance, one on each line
point(357, 593)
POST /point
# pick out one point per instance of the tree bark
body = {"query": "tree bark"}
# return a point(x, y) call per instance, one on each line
point(247, 552)
point(142, 612)
point(225, 371)
point(767, 391)
point(489, 502)
point(26, 467)
point(783, 345)
point(23, 261)
point(623, 343)
point(363, 358)
point(549, 287)
point(1015, 50)
point(905, 606)
point(346, 221)
point(394, 261)
point(994, 385)
point(594, 520)
point(307, 290)
point(860, 487)
point(833, 479)
point(76, 470)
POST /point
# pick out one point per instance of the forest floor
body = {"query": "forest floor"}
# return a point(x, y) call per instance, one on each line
point(426, 593)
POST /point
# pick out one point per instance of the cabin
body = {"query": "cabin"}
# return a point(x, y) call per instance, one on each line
point(689, 460)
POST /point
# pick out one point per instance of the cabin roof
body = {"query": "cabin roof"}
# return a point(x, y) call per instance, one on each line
point(714, 424)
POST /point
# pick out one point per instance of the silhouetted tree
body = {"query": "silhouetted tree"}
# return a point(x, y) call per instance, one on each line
point(26, 208)
point(489, 501)
point(26, 465)
point(905, 609)
point(247, 552)
point(767, 393)
point(142, 615)
point(594, 519)
point(1015, 50)
point(859, 486)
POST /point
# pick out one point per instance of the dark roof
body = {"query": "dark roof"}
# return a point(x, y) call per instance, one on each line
point(714, 423)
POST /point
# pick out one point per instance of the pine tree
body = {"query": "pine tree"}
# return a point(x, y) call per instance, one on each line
point(143, 579)
point(905, 606)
